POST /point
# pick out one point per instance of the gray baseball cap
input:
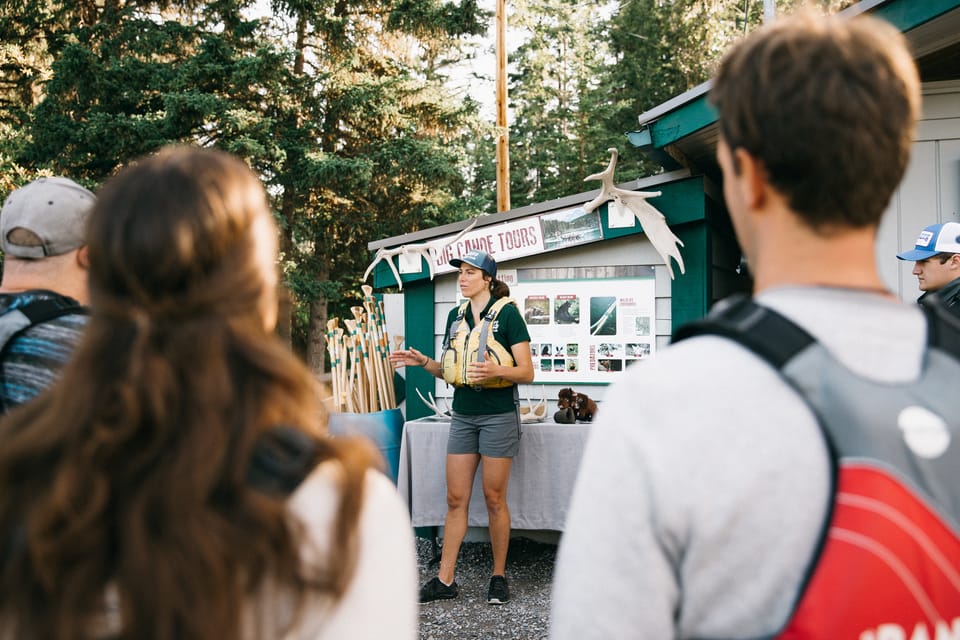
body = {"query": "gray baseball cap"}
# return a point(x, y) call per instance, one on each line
point(54, 209)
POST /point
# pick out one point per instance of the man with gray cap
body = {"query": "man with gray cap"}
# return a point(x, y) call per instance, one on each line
point(44, 285)
point(937, 262)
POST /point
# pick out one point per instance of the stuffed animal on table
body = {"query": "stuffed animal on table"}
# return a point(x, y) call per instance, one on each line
point(578, 405)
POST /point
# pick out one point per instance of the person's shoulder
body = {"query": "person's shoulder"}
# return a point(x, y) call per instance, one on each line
point(384, 579)
point(317, 497)
point(511, 310)
point(453, 312)
point(66, 327)
point(705, 367)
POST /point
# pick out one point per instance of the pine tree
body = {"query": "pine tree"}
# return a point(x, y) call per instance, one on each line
point(339, 106)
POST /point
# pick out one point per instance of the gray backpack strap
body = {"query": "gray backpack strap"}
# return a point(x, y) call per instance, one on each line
point(760, 329)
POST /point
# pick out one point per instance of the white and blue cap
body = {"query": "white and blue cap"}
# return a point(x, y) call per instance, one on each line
point(479, 259)
point(934, 239)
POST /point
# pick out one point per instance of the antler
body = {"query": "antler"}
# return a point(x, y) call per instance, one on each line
point(428, 250)
point(434, 405)
point(535, 412)
point(653, 222)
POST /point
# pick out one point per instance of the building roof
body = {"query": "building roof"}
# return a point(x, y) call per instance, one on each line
point(646, 184)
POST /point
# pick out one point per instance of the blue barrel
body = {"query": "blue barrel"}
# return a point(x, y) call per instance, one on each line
point(384, 428)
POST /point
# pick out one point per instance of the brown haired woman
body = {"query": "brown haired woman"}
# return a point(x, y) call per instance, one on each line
point(177, 482)
point(485, 422)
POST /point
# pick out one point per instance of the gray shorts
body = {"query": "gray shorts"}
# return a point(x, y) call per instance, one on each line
point(494, 436)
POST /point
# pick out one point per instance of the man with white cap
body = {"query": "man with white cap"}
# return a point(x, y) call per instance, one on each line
point(937, 257)
point(44, 285)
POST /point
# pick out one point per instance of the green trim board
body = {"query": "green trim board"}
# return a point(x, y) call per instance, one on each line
point(680, 202)
point(909, 14)
point(418, 314)
point(678, 124)
point(691, 293)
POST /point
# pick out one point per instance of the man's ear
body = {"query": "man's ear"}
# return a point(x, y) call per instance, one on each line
point(83, 258)
point(751, 178)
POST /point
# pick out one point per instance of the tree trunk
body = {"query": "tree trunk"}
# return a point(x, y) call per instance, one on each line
point(284, 299)
point(317, 336)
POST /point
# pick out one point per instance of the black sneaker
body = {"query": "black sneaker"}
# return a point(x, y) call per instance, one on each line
point(436, 590)
point(498, 592)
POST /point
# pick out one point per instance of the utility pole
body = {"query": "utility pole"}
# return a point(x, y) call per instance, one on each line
point(503, 136)
point(769, 11)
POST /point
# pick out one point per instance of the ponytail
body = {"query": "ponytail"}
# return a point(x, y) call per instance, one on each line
point(499, 288)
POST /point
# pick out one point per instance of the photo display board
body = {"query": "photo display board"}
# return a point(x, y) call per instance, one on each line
point(586, 324)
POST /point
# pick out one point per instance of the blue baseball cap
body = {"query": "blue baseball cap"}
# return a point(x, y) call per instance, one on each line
point(934, 239)
point(479, 259)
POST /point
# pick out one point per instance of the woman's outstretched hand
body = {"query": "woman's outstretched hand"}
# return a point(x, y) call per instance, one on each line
point(408, 358)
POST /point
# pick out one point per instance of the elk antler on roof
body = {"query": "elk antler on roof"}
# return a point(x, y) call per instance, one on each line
point(429, 250)
point(653, 222)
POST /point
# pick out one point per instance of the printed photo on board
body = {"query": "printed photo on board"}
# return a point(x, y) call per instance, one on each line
point(603, 316)
point(536, 310)
point(638, 350)
point(567, 309)
point(570, 227)
point(642, 325)
point(610, 365)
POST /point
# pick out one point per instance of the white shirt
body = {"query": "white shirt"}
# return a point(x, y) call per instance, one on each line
point(705, 481)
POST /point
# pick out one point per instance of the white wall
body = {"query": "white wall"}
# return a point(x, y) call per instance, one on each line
point(930, 191)
point(632, 250)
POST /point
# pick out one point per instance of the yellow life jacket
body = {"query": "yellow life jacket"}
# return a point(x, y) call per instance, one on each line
point(463, 345)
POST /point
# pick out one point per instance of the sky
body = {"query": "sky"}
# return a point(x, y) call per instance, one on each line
point(477, 77)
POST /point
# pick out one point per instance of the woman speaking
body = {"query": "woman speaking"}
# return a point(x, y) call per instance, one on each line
point(486, 355)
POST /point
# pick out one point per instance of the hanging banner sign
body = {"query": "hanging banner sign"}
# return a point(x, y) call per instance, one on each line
point(502, 242)
point(526, 237)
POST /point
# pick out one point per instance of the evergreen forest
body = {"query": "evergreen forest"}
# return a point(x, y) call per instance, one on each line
point(365, 119)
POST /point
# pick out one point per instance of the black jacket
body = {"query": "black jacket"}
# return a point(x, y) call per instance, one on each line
point(949, 294)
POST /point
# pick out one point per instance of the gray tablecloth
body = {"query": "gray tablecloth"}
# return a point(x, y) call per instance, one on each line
point(541, 478)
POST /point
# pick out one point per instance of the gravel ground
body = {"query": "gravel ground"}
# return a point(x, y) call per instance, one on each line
point(525, 617)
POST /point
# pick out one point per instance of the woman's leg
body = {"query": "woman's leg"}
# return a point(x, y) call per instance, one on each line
point(461, 469)
point(496, 475)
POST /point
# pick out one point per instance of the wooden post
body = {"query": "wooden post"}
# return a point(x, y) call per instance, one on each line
point(503, 134)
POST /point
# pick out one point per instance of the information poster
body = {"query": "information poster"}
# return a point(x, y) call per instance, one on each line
point(586, 329)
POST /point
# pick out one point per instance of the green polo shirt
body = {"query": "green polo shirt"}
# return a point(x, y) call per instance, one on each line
point(508, 329)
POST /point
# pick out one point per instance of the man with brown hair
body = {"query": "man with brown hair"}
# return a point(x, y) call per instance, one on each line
point(702, 514)
point(936, 257)
point(44, 286)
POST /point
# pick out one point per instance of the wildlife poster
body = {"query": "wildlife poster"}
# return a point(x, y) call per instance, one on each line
point(586, 330)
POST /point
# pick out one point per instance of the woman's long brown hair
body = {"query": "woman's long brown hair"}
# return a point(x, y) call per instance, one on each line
point(130, 474)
